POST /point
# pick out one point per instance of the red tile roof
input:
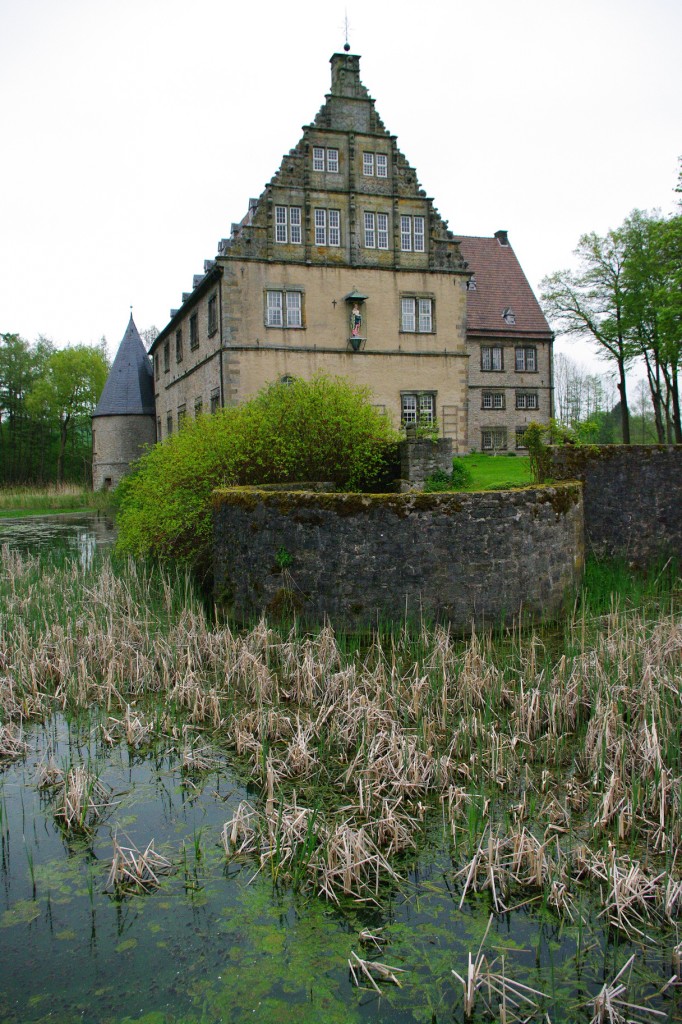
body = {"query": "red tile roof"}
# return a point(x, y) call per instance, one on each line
point(500, 285)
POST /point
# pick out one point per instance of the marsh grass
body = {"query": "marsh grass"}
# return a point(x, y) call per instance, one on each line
point(551, 758)
point(36, 500)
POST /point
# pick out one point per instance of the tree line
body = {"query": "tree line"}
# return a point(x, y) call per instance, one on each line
point(47, 396)
point(627, 297)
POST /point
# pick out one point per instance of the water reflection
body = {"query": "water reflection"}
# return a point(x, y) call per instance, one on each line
point(79, 533)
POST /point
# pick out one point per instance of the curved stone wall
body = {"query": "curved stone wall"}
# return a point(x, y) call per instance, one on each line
point(358, 558)
point(116, 442)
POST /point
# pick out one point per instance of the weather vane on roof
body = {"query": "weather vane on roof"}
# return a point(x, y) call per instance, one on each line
point(346, 45)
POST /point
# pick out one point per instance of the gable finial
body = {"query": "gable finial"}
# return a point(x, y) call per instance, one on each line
point(346, 45)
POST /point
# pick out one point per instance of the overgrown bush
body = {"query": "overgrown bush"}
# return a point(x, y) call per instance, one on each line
point(323, 429)
point(458, 480)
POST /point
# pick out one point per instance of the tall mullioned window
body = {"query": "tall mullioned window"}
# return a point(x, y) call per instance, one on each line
point(412, 235)
point(525, 360)
point(418, 407)
point(491, 357)
point(288, 224)
point(327, 227)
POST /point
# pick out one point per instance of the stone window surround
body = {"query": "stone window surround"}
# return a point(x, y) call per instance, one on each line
point(493, 439)
point(375, 229)
point(269, 307)
point(491, 349)
point(288, 225)
point(328, 156)
point(527, 400)
point(493, 400)
point(166, 357)
point(327, 226)
point(418, 400)
point(416, 298)
point(523, 356)
point(374, 165)
point(412, 232)
point(213, 314)
point(194, 331)
point(178, 345)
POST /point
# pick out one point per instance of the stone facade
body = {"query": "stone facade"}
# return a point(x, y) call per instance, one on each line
point(342, 266)
point(117, 441)
point(482, 558)
point(632, 497)
point(420, 459)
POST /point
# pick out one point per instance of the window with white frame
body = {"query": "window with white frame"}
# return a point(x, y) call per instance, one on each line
point(526, 400)
point(288, 224)
point(412, 233)
point(327, 226)
point(368, 164)
point(526, 359)
point(416, 315)
point(493, 400)
point(374, 164)
point(326, 158)
point(418, 407)
point(382, 165)
point(283, 308)
point(382, 231)
point(370, 231)
point(491, 357)
point(494, 439)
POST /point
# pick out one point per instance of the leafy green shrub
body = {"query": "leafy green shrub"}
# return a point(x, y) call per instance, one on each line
point(461, 474)
point(438, 481)
point(323, 429)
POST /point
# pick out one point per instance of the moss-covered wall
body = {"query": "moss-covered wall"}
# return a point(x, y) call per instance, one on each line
point(633, 498)
point(359, 558)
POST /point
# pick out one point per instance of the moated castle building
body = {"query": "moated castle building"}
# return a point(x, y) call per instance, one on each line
point(344, 266)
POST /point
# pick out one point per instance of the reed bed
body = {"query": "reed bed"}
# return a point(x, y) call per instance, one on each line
point(533, 749)
point(136, 871)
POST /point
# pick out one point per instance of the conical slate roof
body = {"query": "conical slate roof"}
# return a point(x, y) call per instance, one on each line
point(129, 390)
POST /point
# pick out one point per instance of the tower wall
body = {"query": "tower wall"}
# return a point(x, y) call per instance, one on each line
point(116, 442)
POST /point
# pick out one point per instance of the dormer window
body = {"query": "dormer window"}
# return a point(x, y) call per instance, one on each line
point(508, 316)
point(471, 284)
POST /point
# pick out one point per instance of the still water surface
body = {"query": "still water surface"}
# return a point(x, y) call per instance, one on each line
point(79, 534)
point(221, 942)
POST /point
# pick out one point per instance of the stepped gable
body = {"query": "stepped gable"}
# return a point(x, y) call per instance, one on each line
point(129, 390)
point(498, 285)
point(348, 111)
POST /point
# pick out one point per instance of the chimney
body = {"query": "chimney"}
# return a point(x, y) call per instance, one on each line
point(501, 237)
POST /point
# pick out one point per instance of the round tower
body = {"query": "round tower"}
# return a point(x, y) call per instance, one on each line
point(123, 423)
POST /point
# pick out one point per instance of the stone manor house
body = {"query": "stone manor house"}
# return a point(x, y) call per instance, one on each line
point(344, 266)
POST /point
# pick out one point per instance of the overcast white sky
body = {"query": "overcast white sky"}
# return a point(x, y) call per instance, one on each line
point(133, 132)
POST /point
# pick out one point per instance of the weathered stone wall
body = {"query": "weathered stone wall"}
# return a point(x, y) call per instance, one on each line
point(632, 496)
point(116, 442)
point(420, 459)
point(357, 558)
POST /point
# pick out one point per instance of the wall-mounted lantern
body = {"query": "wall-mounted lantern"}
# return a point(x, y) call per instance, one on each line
point(355, 304)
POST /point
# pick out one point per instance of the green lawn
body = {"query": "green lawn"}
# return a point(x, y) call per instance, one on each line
point(496, 472)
